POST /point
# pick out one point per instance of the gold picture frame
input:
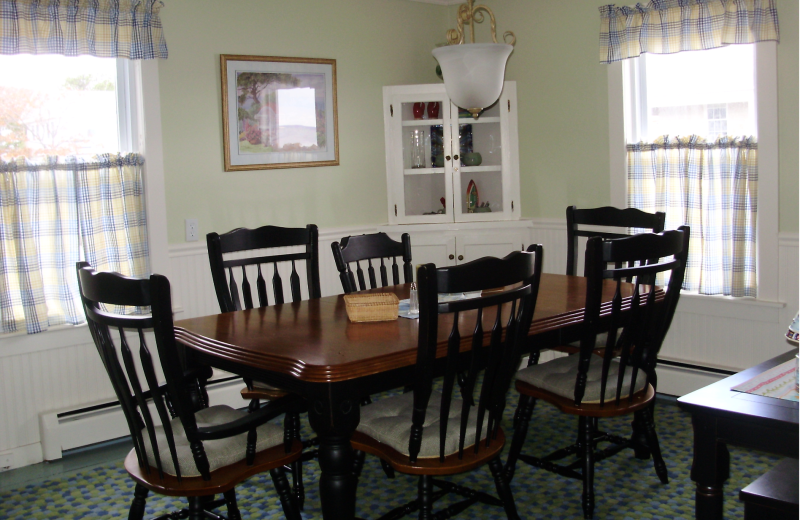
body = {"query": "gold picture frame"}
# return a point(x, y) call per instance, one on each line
point(278, 112)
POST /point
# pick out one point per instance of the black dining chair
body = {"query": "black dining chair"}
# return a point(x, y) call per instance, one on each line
point(619, 380)
point(182, 446)
point(427, 432)
point(377, 247)
point(263, 252)
point(606, 217)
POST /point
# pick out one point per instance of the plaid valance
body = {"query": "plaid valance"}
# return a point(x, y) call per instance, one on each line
point(104, 28)
point(669, 26)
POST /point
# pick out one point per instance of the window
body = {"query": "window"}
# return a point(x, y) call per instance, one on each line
point(59, 105)
point(71, 187)
point(708, 93)
point(692, 152)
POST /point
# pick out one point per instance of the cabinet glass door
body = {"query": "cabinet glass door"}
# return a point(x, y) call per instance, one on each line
point(424, 139)
point(478, 174)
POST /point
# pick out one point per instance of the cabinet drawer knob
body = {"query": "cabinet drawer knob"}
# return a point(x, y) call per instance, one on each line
point(451, 257)
point(455, 157)
point(460, 257)
point(447, 157)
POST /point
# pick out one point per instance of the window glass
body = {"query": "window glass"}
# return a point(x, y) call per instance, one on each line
point(57, 105)
point(708, 93)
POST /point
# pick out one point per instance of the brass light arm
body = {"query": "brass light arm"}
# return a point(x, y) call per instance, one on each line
point(469, 14)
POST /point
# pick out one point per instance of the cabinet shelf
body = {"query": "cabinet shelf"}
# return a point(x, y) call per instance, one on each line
point(422, 171)
point(424, 122)
point(471, 121)
point(482, 168)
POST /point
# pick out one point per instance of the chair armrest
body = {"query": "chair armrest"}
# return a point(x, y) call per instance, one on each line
point(252, 420)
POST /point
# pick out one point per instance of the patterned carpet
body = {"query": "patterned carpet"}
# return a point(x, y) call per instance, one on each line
point(626, 488)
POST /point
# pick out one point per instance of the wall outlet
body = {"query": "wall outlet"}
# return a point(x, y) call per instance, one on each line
point(6, 461)
point(192, 233)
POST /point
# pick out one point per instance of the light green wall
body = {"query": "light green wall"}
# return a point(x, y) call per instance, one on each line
point(788, 73)
point(562, 106)
point(375, 43)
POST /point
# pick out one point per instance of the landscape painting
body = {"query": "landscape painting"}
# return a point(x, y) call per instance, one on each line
point(279, 112)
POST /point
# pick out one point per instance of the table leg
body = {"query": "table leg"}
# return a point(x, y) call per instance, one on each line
point(334, 414)
point(710, 468)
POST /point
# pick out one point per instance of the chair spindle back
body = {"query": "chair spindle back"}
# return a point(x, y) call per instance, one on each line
point(607, 216)
point(636, 338)
point(353, 250)
point(266, 237)
point(496, 326)
point(183, 393)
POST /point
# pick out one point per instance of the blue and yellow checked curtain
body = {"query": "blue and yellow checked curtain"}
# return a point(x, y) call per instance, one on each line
point(104, 28)
point(52, 209)
point(712, 187)
point(669, 26)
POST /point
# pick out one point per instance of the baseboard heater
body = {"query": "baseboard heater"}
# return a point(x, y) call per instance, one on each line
point(701, 368)
point(62, 430)
point(676, 378)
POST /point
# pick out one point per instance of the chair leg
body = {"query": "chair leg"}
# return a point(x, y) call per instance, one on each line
point(138, 503)
point(196, 509)
point(230, 502)
point(525, 409)
point(290, 510)
point(358, 462)
point(641, 447)
point(425, 497)
point(652, 442)
point(503, 489)
point(587, 497)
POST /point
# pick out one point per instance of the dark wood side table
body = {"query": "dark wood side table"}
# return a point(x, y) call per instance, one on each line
point(721, 416)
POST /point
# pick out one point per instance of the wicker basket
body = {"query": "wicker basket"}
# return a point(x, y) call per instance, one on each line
point(371, 307)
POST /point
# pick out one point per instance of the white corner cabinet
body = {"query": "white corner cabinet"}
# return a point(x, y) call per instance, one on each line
point(458, 243)
point(443, 166)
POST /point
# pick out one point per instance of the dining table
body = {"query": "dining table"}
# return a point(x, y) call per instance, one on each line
point(312, 349)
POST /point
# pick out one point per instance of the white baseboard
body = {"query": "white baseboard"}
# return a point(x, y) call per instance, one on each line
point(678, 381)
point(74, 431)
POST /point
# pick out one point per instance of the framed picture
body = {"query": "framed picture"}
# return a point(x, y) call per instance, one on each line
point(278, 112)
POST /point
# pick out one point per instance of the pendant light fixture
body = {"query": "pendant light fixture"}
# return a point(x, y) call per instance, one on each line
point(473, 72)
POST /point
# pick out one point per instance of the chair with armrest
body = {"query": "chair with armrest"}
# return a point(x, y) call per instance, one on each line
point(182, 446)
point(429, 433)
point(622, 379)
point(353, 250)
point(609, 217)
point(243, 253)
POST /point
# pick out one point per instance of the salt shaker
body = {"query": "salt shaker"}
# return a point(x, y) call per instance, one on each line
point(413, 300)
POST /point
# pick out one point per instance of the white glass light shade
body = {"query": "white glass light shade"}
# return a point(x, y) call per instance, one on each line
point(473, 72)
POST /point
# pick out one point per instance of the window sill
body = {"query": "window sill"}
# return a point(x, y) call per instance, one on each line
point(750, 309)
point(63, 336)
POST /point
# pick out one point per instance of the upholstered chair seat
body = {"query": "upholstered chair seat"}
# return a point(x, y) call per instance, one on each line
point(558, 377)
point(219, 452)
point(389, 421)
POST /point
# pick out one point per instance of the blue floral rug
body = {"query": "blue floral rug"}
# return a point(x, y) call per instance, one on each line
point(625, 487)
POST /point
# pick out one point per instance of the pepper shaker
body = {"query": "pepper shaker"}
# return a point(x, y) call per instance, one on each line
point(413, 300)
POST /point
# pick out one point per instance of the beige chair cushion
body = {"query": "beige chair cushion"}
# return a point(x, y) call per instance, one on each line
point(220, 452)
point(558, 376)
point(389, 422)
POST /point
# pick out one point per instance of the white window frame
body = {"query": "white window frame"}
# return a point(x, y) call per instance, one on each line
point(140, 105)
point(766, 71)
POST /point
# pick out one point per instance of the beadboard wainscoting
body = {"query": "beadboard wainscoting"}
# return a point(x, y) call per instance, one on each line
point(46, 375)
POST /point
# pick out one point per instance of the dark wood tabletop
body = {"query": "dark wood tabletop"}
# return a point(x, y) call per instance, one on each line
point(313, 340)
